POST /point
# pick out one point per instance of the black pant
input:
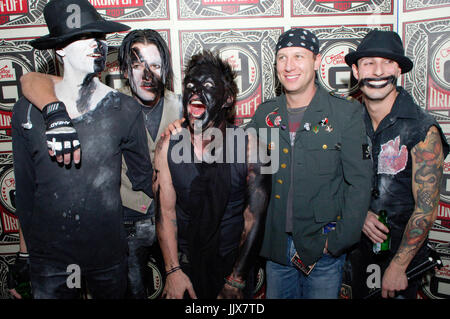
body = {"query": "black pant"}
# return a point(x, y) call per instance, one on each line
point(51, 280)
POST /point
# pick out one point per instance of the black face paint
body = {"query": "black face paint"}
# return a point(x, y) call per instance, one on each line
point(389, 80)
point(204, 85)
point(102, 50)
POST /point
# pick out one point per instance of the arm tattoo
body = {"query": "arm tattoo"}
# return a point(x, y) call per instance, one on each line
point(427, 177)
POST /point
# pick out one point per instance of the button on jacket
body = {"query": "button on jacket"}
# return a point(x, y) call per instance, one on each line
point(332, 177)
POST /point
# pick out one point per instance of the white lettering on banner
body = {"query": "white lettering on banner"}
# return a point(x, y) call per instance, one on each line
point(10, 223)
point(12, 6)
point(443, 211)
point(247, 109)
point(438, 99)
point(100, 4)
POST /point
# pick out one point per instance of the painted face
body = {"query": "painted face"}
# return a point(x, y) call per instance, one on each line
point(204, 97)
point(377, 77)
point(86, 55)
point(296, 68)
point(145, 73)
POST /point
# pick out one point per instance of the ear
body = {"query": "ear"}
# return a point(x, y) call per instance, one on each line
point(355, 71)
point(125, 74)
point(317, 61)
point(228, 102)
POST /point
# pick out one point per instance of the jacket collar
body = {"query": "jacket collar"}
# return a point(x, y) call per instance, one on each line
point(401, 109)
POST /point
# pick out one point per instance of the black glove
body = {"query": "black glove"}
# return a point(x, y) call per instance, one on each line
point(62, 138)
point(19, 272)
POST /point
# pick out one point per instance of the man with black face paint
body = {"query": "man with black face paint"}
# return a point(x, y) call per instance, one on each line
point(408, 150)
point(71, 217)
point(144, 60)
point(211, 214)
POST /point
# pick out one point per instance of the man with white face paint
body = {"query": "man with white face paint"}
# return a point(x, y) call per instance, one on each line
point(72, 218)
point(144, 60)
point(408, 150)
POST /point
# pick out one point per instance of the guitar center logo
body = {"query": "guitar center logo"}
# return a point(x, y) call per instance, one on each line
point(17, 58)
point(335, 74)
point(22, 13)
point(12, 67)
point(335, 43)
point(427, 43)
point(244, 63)
point(339, 7)
point(439, 75)
point(249, 52)
point(132, 10)
point(210, 9)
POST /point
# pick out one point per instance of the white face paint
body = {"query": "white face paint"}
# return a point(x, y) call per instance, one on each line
point(145, 78)
point(85, 56)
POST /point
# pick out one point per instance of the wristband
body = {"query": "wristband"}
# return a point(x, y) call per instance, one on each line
point(236, 283)
point(172, 270)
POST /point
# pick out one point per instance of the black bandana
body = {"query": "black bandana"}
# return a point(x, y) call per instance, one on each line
point(298, 38)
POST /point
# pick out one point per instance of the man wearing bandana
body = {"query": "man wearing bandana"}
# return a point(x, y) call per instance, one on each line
point(408, 150)
point(71, 217)
point(212, 210)
point(321, 190)
point(144, 60)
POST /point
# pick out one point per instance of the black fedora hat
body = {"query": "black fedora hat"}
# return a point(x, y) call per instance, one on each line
point(68, 19)
point(383, 44)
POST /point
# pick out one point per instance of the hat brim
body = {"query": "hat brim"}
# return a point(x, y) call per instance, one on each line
point(50, 42)
point(404, 62)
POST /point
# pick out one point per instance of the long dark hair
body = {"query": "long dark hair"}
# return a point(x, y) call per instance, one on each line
point(147, 36)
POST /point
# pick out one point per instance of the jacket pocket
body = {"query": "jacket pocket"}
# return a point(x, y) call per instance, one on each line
point(325, 211)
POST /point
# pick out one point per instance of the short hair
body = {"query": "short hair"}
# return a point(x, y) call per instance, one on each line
point(147, 36)
point(214, 59)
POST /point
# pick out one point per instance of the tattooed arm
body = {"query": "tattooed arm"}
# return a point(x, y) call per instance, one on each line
point(427, 168)
point(166, 225)
point(258, 191)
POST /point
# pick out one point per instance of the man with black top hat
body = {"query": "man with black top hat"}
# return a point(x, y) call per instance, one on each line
point(320, 192)
point(144, 60)
point(72, 218)
point(408, 149)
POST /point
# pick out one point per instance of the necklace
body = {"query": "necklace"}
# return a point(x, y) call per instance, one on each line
point(146, 115)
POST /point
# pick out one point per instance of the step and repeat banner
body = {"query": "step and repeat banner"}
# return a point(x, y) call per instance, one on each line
point(245, 33)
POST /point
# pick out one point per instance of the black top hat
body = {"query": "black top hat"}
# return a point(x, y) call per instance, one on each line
point(68, 19)
point(383, 44)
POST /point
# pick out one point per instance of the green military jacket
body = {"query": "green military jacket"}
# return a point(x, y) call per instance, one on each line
point(137, 200)
point(332, 177)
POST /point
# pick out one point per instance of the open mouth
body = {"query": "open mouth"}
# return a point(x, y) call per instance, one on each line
point(379, 83)
point(196, 108)
point(95, 55)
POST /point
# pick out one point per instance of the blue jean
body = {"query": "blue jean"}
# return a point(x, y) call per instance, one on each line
point(288, 282)
point(49, 281)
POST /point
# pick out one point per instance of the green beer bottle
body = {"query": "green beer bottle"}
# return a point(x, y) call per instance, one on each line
point(385, 246)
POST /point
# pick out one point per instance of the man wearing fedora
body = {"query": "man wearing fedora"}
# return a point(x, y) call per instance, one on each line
point(408, 149)
point(72, 218)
